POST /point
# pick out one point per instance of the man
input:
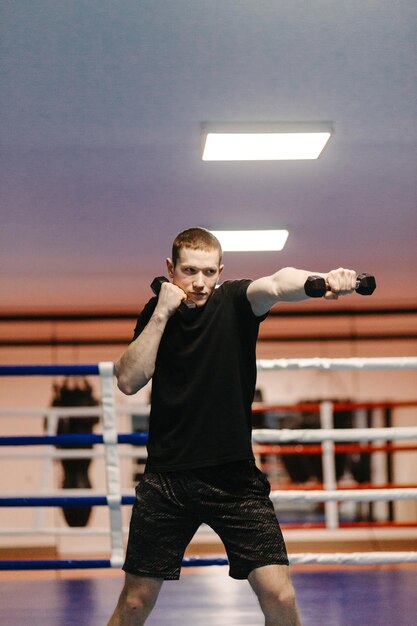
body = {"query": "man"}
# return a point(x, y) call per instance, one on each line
point(200, 464)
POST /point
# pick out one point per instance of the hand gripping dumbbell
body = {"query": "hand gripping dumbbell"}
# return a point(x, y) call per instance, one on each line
point(186, 305)
point(315, 286)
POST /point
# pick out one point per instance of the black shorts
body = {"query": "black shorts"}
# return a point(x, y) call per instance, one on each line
point(232, 499)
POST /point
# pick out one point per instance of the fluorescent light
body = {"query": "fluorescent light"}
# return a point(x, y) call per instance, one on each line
point(264, 147)
point(251, 240)
point(264, 142)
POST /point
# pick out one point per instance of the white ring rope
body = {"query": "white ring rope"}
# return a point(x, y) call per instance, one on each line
point(384, 363)
point(353, 558)
point(343, 435)
point(345, 495)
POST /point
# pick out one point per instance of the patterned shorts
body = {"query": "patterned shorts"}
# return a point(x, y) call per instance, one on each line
point(232, 499)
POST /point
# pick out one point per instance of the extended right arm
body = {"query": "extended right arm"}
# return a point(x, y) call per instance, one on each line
point(137, 364)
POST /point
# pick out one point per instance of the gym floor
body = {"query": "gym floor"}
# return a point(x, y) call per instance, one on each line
point(206, 596)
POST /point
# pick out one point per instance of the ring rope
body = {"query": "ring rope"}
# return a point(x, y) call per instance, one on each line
point(296, 450)
point(341, 435)
point(50, 370)
point(384, 363)
point(137, 439)
point(348, 495)
point(52, 564)
point(285, 435)
point(353, 558)
point(60, 501)
point(314, 407)
point(278, 496)
point(262, 365)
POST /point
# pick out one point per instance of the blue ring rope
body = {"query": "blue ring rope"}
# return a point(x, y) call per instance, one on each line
point(49, 370)
point(199, 561)
point(54, 564)
point(60, 501)
point(51, 440)
point(91, 563)
point(138, 439)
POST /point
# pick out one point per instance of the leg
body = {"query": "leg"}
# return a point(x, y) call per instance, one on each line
point(273, 586)
point(136, 601)
point(160, 531)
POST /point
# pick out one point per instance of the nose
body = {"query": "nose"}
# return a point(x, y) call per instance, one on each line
point(198, 281)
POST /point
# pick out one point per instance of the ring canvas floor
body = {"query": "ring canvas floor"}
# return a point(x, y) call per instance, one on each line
point(208, 597)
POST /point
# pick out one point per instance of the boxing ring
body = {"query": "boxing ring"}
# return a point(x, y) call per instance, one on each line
point(326, 440)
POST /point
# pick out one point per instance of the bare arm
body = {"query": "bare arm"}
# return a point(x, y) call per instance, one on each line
point(137, 364)
point(287, 285)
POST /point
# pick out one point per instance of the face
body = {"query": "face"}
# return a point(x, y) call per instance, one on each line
point(196, 272)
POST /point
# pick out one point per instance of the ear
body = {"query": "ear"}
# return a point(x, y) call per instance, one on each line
point(221, 268)
point(170, 268)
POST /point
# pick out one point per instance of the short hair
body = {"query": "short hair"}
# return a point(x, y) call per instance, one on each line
point(197, 239)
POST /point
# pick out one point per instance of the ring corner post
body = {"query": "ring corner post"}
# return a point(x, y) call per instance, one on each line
point(329, 465)
point(114, 495)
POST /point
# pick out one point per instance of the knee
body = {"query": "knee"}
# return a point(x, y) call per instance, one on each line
point(136, 602)
point(286, 597)
point(281, 600)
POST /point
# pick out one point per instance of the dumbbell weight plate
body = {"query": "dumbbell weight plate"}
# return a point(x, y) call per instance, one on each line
point(365, 284)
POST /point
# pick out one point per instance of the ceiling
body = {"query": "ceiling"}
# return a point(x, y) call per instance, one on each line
point(102, 105)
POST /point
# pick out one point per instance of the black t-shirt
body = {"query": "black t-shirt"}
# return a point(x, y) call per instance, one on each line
point(204, 382)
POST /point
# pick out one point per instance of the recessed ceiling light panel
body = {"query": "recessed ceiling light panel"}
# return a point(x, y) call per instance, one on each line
point(264, 142)
point(251, 240)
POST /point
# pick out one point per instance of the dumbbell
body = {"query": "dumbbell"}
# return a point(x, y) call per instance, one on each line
point(186, 305)
point(315, 286)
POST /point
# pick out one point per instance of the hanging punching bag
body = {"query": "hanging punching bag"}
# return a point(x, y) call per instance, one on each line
point(75, 393)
